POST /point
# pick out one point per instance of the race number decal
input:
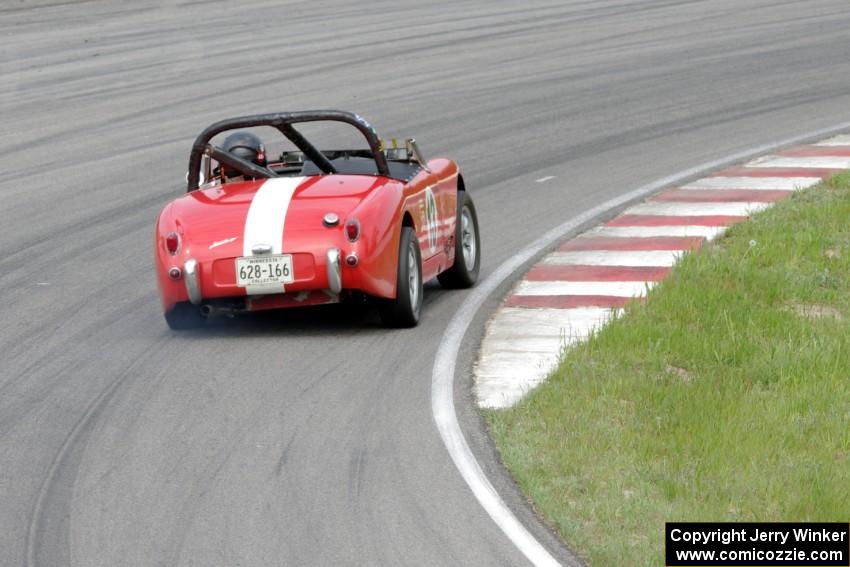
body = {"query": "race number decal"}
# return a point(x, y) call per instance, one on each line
point(431, 220)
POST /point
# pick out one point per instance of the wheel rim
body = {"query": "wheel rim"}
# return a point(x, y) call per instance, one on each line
point(413, 276)
point(467, 238)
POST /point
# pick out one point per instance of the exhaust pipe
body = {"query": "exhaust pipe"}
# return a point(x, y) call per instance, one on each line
point(213, 310)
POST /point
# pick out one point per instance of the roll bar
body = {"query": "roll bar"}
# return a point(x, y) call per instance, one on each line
point(283, 122)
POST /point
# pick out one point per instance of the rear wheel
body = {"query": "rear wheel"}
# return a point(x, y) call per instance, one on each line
point(184, 316)
point(464, 272)
point(404, 310)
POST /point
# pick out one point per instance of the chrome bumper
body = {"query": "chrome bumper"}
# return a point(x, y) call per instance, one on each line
point(334, 270)
point(192, 277)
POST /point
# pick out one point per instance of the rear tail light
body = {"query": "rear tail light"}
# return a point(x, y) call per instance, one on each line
point(352, 230)
point(172, 242)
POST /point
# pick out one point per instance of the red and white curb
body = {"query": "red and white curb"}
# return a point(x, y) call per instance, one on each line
point(576, 289)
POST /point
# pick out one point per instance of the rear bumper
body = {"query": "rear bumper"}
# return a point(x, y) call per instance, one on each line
point(216, 278)
point(321, 276)
point(213, 285)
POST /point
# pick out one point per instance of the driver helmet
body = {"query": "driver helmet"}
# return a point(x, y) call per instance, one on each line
point(245, 145)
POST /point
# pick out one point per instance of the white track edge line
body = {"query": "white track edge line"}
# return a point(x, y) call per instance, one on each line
point(443, 371)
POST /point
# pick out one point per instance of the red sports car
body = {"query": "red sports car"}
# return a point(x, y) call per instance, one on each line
point(311, 226)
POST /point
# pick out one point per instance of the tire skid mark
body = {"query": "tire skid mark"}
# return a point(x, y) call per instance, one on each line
point(55, 483)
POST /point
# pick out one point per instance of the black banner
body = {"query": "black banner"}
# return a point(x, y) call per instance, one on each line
point(697, 544)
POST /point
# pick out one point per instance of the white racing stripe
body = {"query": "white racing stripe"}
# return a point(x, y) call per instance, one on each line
point(615, 289)
point(676, 209)
point(820, 162)
point(841, 140)
point(265, 221)
point(709, 232)
point(754, 183)
point(634, 258)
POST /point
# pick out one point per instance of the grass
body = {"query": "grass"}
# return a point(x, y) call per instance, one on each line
point(724, 397)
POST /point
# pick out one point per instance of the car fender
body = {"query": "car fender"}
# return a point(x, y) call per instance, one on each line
point(171, 291)
point(380, 216)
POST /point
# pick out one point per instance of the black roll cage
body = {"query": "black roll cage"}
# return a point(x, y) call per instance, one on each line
point(283, 122)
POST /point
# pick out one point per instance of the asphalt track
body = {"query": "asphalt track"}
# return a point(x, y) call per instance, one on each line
point(306, 438)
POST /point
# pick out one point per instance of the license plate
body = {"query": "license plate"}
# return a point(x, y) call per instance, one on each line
point(263, 270)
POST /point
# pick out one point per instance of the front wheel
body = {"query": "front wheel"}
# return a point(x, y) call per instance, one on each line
point(464, 272)
point(403, 311)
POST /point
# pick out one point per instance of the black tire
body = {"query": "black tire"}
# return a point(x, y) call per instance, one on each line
point(464, 272)
point(184, 316)
point(404, 310)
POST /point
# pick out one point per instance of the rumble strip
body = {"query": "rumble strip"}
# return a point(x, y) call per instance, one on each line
point(444, 369)
point(574, 290)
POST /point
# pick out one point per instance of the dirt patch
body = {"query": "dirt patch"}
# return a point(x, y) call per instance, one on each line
point(815, 311)
point(680, 373)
